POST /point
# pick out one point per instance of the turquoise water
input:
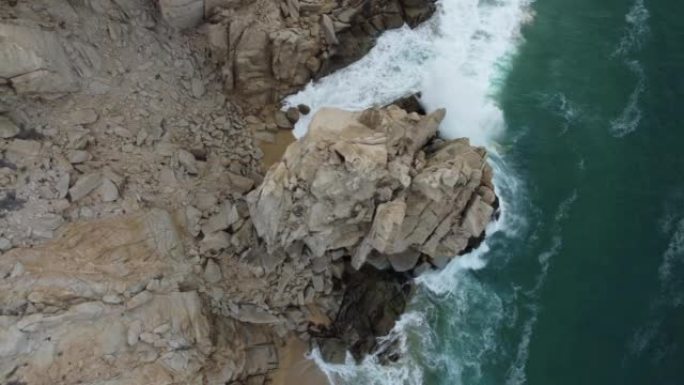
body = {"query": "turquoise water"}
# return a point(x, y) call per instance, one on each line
point(580, 105)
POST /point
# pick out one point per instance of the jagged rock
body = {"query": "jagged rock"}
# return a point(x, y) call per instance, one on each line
point(372, 302)
point(222, 220)
point(329, 30)
point(369, 183)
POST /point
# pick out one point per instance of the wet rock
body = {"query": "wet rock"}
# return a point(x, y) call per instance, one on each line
point(372, 302)
point(292, 114)
point(304, 109)
point(282, 120)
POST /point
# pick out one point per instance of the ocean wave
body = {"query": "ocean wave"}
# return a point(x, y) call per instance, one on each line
point(516, 372)
point(562, 107)
point(629, 119)
point(650, 337)
point(456, 60)
point(636, 31)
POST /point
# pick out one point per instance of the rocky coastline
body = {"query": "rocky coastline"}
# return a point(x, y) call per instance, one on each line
point(145, 237)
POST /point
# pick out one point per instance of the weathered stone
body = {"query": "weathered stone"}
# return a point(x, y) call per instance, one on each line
point(222, 220)
point(108, 191)
point(212, 272)
point(252, 314)
point(334, 189)
point(7, 128)
point(79, 156)
point(329, 30)
point(188, 161)
point(84, 186)
point(83, 116)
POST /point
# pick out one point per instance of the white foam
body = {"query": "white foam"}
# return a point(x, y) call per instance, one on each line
point(636, 32)
point(630, 117)
point(671, 286)
point(673, 255)
point(516, 372)
point(456, 60)
point(564, 108)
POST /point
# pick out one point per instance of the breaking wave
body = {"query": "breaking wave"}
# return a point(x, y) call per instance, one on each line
point(457, 60)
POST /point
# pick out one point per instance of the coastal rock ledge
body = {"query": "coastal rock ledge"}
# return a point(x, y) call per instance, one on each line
point(379, 187)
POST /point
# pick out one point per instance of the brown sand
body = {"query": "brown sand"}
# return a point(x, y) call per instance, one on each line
point(295, 368)
point(273, 152)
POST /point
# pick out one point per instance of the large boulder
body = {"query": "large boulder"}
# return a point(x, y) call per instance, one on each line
point(377, 186)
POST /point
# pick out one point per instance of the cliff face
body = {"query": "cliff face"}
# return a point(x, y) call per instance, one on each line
point(130, 251)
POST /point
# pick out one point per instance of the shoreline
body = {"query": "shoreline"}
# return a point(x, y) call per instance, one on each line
point(129, 164)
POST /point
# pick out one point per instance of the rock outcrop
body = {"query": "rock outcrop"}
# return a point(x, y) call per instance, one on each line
point(270, 48)
point(376, 186)
point(117, 301)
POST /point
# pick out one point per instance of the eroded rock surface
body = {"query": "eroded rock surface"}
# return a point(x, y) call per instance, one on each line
point(376, 186)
